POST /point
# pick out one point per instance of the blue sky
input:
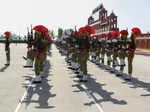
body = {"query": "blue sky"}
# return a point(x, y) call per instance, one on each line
point(17, 15)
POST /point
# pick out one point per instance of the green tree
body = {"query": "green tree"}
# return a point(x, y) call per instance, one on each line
point(52, 33)
point(68, 29)
point(60, 32)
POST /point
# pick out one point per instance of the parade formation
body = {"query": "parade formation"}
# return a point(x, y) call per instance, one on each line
point(112, 48)
point(58, 56)
point(99, 45)
point(114, 52)
point(106, 50)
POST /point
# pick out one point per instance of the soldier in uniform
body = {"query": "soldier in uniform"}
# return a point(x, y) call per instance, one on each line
point(47, 41)
point(31, 51)
point(94, 50)
point(74, 47)
point(97, 51)
point(103, 46)
point(7, 48)
point(109, 51)
point(84, 46)
point(131, 50)
point(41, 33)
point(122, 50)
point(115, 47)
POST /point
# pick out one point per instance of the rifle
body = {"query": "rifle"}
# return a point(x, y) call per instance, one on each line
point(28, 37)
point(31, 33)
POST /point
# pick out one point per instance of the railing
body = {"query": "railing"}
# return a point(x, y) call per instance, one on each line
point(14, 41)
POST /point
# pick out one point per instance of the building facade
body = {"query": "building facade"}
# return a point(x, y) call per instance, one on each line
point(102, 22)
point(143, 41)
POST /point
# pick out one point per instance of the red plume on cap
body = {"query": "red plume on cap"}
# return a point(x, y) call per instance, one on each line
point(40, 28)
point(109, 35)
point(90, 29)
point(137, 31)
point(47, 36)
point(87, 28)
point(115, 34)
point(7, 33)
point(104, 35)
point(81, 30)
point(124, 32)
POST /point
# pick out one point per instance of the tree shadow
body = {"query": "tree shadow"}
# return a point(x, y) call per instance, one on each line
point(4, 68)
point(97, 88)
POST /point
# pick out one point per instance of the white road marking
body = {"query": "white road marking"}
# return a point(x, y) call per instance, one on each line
point(23, 97)
point(25, 94)
point(92, 98)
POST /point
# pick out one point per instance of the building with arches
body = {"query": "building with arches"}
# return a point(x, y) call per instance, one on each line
point(102, 22)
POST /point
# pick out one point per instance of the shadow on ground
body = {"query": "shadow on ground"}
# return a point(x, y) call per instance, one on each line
point(42, 90)
point(4, 68)
point(97, 88)
point(135, 83)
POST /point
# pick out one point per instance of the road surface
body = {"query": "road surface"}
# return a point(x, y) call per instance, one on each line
point(61, 91)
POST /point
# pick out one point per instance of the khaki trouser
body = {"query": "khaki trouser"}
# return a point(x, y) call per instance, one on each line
point(103, 55)
point(38, 66)
point(108, 54)
point(122, 55)
point(97, 53)
point(31, 54)
point(8, 54)
point(130, 67)
point(83, 62)
point(115, 55)
point(78, 57)
point(74, 57)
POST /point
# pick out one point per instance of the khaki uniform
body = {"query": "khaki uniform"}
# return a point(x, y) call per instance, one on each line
point(84, 50)
point(7, 48)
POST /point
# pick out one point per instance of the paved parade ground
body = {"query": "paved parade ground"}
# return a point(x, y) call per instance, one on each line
point(61, 91)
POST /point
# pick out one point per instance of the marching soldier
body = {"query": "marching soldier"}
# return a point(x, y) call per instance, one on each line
point(84, 46)
point(31, 51)
point(7, 47)
point(103, 52)
point(131, 50)
point(94, 49)
point(97, 51)
point(122, 50)
point(115, 47)
point(109, 51)
point(41, 43)
point(74, 51)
